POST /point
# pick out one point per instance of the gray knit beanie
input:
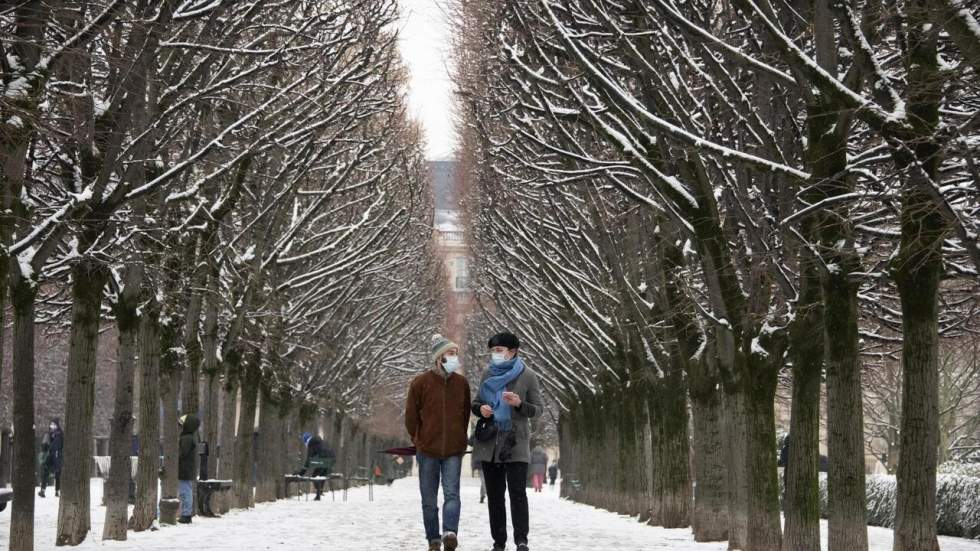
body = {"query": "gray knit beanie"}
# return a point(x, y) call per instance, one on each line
point(441, 345)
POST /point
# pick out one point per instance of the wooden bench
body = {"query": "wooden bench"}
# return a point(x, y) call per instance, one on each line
point(300, 479)
point(213, 497)
point(5, 496)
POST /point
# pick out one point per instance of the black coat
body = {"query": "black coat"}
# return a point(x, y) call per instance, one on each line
point(318, 453)
point(53, 447)
point(187, 464)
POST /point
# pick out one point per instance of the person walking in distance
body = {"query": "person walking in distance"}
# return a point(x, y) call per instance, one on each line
point(509, 396)
point(187, 465)
point(437, 416)
point(553, 472)
point(52, 449)
point(539, 467)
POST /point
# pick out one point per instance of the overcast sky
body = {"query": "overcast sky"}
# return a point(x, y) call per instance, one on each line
point(425, 48)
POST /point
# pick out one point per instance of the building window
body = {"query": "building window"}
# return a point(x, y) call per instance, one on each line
point(461, 273)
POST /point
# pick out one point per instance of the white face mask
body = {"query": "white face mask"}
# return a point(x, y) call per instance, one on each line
point(451, 364)
point(498, 357)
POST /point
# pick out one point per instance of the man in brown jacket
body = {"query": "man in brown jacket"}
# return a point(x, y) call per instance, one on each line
point(437, 416)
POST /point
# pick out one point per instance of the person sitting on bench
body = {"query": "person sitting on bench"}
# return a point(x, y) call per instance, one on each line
point(319, 461)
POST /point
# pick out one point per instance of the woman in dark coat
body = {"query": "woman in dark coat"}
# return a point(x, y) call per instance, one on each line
point(52, 448)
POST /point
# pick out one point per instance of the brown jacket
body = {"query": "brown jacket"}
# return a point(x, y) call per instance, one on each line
point(437, 413)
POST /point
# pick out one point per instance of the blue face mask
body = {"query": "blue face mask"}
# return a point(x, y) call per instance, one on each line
point(451, 364)
point(497, 358)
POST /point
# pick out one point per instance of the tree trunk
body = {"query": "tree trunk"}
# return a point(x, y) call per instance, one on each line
point(710, 519)
point(22, 296)
point(191, 384)
point(4, 428)
point(737, 476)
point(212, 413)
point(148, 468)
point(169, 390)
point(121, 437)
point(915, 518)
point(269, 431)
point(211, 368)
point(918, 270)
point(846, 513)
point(649, 484)
point(229, 425)
point(828, 132)
point(4, 269)
point(74, 508)
point(765, 528)
point(802, 498)
point(244, 458)
point(211, 410)
point(288, 428)
point(673, 485)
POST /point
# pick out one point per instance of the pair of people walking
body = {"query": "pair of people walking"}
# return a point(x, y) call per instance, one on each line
point(437, 417)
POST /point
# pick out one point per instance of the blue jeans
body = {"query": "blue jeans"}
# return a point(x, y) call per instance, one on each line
point(430, 472)
point(186, 491)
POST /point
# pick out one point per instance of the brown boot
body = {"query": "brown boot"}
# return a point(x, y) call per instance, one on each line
point(449, 542)
point(435, 545)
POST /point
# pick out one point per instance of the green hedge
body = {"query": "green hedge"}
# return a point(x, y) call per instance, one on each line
point(958, 503)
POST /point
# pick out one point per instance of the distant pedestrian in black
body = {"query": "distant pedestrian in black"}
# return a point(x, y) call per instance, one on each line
point(553, 472)
point(783, 459)
point(187, 465)
point(52, 449)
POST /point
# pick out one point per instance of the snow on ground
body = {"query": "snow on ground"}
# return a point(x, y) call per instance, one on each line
point(394, 521)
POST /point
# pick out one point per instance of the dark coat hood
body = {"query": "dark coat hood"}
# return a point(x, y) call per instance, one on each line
point(191, 424)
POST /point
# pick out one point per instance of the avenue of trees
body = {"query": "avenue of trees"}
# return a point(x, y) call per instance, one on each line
point(233, 187)
point(680, 203)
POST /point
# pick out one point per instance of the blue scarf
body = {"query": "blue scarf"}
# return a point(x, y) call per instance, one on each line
point(492, 390)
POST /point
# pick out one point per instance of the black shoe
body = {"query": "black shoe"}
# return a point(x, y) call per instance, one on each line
point(498, 548)
point(57, 493)
point(522, 547)
point(317, 498)
point(482, 499)
point(40, 494)
point(184, 520)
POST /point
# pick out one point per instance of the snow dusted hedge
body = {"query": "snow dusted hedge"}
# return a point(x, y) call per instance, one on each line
point(958, 503)
point(962, 469)
point(959, 506)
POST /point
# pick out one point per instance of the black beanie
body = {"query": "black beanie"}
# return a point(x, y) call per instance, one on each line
point(505, 339)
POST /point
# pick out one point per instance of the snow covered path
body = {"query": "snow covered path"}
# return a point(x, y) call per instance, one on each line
point(393, 521)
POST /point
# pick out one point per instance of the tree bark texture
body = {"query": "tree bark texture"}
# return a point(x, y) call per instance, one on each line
point(148, 467)
point(74, 508)
point(121, 436)
point(22, 294)
point(244, 458)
